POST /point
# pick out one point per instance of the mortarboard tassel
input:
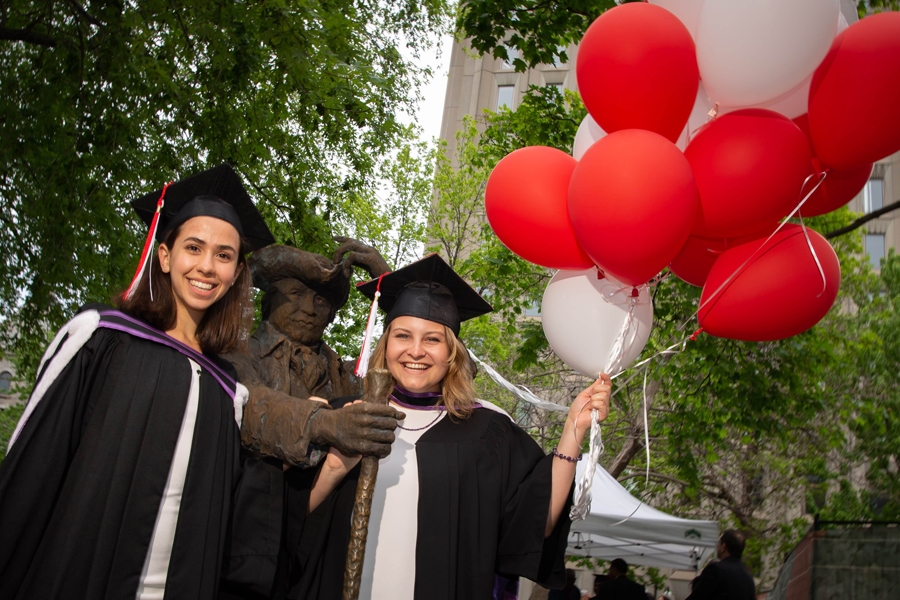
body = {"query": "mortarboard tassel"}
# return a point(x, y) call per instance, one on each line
point(362, 363)
point(148, 246)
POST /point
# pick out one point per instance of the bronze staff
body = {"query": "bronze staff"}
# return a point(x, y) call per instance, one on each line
point(378, 385)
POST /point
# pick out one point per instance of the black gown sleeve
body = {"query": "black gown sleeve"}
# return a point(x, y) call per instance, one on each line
point(522, 549)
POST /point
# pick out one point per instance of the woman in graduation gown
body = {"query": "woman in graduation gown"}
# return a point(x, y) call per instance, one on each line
point(465, 493)
point(120, 473)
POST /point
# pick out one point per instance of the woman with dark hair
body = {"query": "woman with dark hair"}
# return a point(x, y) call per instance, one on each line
point(120, 473)
point(465, 493)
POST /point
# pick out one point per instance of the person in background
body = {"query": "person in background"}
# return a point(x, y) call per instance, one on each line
point(728, 578)
point(569, 592)
point(598, 581)
point(618, 586)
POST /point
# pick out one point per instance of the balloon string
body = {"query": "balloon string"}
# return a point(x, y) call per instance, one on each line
point(814, 255)
point(750, 258)
point(646, 448)
point(583, 492)
point(646, 430)
point(518, 391)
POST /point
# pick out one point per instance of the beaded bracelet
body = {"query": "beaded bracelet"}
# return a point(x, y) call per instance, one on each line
point(570, 459)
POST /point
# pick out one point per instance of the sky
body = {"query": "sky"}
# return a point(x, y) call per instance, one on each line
point(431, 107)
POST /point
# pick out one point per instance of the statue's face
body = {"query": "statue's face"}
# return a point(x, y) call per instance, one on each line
point(299, 312)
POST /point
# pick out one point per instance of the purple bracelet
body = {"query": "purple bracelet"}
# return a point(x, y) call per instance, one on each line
point(570, 459)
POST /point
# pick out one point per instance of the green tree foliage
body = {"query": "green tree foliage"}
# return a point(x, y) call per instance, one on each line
point(9, 416)
point(390, 218)
point(864, 7)
point(540, 30)
point(101, 101)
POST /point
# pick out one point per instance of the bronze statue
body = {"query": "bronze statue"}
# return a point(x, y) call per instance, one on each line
point(286, 356)
point(291, 373)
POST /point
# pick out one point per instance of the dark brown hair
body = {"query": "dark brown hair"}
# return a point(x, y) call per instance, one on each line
point(734, 542)
point(225, 324)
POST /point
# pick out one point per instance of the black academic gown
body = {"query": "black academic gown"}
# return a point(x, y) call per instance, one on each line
point(81, 486)
point(484, 494)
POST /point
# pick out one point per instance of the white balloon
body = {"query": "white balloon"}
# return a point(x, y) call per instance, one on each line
point(698, 118)
point(752, 51)
point(588, 133)
point(583, 318)
point(792, 105)
point(842, 23)
point(848, 11)
point(687, 11)
point(795, 102)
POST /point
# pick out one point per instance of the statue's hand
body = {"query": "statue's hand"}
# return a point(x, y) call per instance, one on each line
point(359, 255)
point(363, 428)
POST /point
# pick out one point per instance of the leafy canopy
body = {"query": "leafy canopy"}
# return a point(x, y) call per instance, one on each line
point(101, 101)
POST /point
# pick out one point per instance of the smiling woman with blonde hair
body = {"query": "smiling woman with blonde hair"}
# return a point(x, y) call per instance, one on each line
point(465, 494)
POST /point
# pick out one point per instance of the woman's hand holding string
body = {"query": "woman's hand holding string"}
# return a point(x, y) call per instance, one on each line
point(568, 451)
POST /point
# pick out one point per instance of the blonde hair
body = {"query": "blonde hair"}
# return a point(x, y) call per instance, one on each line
point(457, 387)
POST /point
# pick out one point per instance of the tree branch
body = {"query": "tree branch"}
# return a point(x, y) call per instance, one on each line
point(28, 36)
point(657, 476)
point(85, 14)
point(863, 220)
point(628, 451)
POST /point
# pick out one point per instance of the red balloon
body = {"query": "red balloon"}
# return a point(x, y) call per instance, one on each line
point(632, 200)
point(698, 255)
point(696, 259)
point(526, 203)
point(839, 186)
point(852, 116)
point(637, 69)
point(750, 166)
point(779, 293)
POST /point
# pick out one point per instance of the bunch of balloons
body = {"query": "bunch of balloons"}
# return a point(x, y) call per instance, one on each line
point(709, 122)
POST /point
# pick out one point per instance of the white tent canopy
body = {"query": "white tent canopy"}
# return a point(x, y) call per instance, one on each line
point(621, 526)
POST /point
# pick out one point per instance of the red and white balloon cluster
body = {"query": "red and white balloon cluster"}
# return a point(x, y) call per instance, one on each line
point(653, 185)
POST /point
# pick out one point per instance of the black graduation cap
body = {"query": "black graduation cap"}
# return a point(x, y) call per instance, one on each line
point(428, 289)
point(196, 196)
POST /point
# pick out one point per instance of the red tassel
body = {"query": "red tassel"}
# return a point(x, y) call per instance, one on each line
point(148, 245)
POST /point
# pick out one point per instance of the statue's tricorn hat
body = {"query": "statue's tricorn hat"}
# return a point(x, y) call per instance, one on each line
point(329, 280)
point(429, 289)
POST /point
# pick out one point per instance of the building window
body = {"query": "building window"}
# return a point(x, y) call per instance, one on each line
point(557, 59)
point(873, 195)
point(505, 94)
point(5, 382)
point(512, 53)
point(875, 249)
